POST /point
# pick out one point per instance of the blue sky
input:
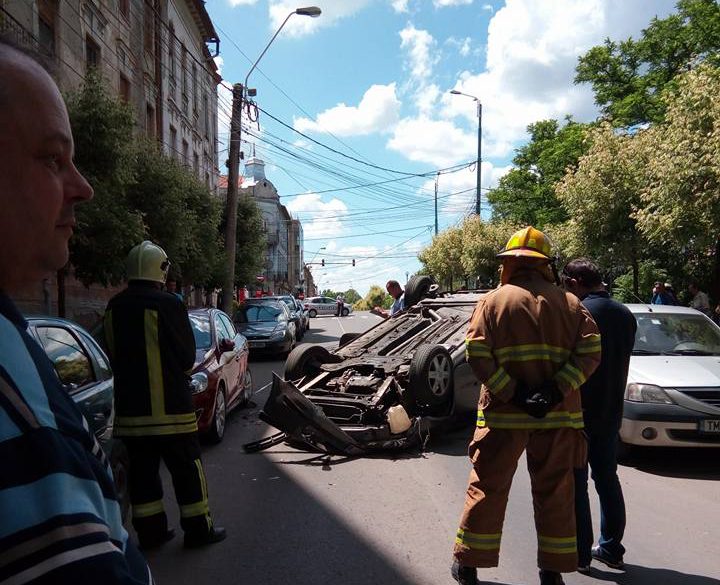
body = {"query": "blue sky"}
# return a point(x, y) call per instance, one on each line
point(369, 81)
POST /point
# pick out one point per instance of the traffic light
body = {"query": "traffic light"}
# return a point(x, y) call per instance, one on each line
point(322, 262)
point(353, 261)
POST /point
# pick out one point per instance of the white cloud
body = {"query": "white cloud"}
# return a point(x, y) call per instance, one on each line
point(399, 6)
point(488, 8)
point(303, 25)
point(319, 218)
point(377, 111)
point(463, 46)
point(445, 3)
point(436, 142)
point(242, 2)
point(531, 57)
point(219, 62)
point(420, 46)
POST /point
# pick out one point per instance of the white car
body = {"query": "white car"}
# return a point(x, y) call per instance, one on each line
point(325, 306)
point(672, 398)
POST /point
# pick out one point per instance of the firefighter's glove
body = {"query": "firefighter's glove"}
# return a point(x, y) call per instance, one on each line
point(536, 404)
point(522, 391)
point(551, 392)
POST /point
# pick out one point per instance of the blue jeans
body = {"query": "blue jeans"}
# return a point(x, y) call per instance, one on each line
point(602, 457)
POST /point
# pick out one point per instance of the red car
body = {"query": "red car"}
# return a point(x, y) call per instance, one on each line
point(221, 379)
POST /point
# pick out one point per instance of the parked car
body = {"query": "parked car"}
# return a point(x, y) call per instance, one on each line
point(672, 397)
point(221, 379)
point(84, 370)
point(381, 389)
point(325, 306)
point(267, 325)
point(297, 313)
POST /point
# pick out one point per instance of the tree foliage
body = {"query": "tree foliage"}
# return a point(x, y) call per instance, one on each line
point(628, 77)
point(107, 225)
point(526, 194)
point(443, 258)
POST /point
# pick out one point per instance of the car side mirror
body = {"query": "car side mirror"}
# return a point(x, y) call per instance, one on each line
point(226, 345)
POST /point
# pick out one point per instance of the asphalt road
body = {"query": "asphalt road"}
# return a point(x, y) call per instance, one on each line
point(297, 518)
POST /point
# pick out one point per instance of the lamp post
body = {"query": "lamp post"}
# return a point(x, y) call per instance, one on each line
point(478, 199)
point(239, 93)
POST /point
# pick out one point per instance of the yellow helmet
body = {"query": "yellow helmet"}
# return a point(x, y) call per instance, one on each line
point(147, 261)
point(528, 242)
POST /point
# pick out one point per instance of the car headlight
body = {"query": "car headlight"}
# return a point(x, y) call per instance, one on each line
point(647, 393)
point(198, 382)
point(277, 335)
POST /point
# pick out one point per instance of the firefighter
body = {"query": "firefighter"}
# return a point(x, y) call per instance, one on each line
point(532, 346)
point(152, 348)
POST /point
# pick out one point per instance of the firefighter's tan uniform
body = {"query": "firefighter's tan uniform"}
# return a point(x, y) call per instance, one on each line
point(528, 330)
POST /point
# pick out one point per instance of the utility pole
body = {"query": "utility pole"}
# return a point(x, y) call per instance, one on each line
point(478, 196)
point(232, 198)
point(437, 177)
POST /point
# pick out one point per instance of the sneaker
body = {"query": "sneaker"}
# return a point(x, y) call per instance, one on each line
point(151, 542)
point(550, 578)
point(584, 569)
point(604, 557)
point(216, 534)
point(464, 575)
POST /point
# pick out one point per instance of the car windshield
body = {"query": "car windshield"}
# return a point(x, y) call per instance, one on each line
point(258, 313)
point(676, 334)
point(201, 330)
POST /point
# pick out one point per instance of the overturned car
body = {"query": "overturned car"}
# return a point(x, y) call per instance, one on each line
point(384, 389)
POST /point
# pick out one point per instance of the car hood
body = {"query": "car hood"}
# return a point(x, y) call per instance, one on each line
point(671, 371)
point(250, 330)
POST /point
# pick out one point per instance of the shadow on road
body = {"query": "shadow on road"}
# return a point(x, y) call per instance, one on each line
point(638, 575)
point(681, 463)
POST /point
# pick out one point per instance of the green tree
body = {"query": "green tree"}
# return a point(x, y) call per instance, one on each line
point(526, 194)
point(352, 296)
point(442, 259)
point(481, 242)
point(250, 241)
point(108, 225)
point(603, 195)
point(628, 77)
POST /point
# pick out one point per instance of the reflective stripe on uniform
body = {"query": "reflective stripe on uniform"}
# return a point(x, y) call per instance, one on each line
point(589, 344)
point(572, 375)
point(555, 545)
point(154, 363)
point(153, 429)
point(556, 419)
point(497, 382)
point(477, 348)
point(148, 509)
point(197, 509)
point(531, 352)
point(478, 541)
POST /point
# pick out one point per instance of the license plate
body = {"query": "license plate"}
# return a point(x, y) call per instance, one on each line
point(710, 426)
point(257, 344)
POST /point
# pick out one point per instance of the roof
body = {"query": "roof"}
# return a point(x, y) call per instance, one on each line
point(223, 181)
point(678, 310)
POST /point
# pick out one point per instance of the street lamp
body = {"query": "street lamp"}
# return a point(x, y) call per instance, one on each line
point(316, 253)
point(478, 203)
point(239, 93)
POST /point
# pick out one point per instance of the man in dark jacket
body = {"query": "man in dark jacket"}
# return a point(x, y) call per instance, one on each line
point(152, 348)
point(602, 401)
point(60, 520)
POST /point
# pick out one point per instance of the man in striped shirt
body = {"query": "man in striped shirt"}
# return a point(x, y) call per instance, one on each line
point(532, 346)
point(61, 520)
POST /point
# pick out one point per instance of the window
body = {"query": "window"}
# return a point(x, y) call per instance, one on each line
point(92, 53)
point(185, 149)
point(149, 28)
point(68, 357)
point(124, 8)
point(125, 92)
point(196, 163)
point(150, 120)
point(171, 52)
point(229, 326)
point(206, 116)
point(47, 18)
point(194, 87)
point(173, 142)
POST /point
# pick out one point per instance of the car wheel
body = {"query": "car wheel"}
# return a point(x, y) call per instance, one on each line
point(347, 338)
point(247, 387)
point(345, 312)
point(312, 313)
point(217, 425)
point(120, 465)
point(416, 289)
point(306, 361)
point(431, 375)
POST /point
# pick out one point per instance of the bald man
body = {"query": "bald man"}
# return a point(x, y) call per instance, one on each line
point(60, 515)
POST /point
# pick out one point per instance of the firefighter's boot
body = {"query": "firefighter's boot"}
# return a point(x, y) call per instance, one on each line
point(216, 534)
point(550, 578)
point(464, 575)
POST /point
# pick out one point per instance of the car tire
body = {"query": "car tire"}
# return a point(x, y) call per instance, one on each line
point(417, 288)
point(247, 388)
point(345, 312)
point(306, 360)
point(216, 432)
point(312, 313)
point(346, 338)
point(430, 378)
point(120, 465)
